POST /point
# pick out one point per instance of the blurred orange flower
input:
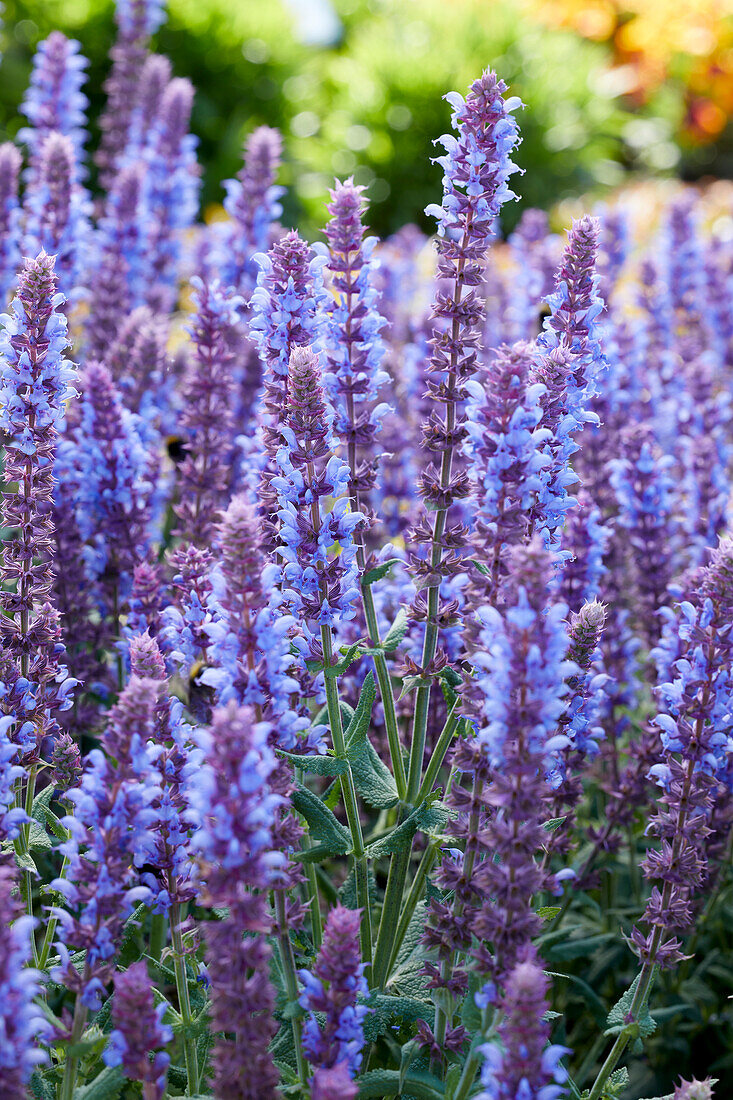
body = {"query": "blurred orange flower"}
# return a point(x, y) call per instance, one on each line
point(655, 40)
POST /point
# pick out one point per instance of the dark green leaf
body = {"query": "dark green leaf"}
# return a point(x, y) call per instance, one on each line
point(426, 816)
point(332, 838)
point(386, 1082)
point(641, 1028)
point(107, 1086)
point(387, 1011)
point(396, 632)
point(378, 572)
point(318, 765)
point(38, 838)
point(372, 778)
point(41, 1089)
point(548, 912)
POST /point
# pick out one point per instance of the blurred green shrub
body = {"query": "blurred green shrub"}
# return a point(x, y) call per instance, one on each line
point(370, 104)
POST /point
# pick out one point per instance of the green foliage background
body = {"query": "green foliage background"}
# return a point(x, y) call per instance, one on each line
point(371, 103)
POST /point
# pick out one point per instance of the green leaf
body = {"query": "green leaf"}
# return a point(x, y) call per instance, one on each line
point(355, 734)
point(579, 948)
point(372, 778)
point(426, 816)
point(41, 804)
point(347, 892)
point(38, 838)
point(93, 1041)
point(483, 569)
point(353, 653)
point(386, 1082)
point(26, 862)
point(106, 1086)
point(548, 912)
point(41, 1089)
point(317, 765)
point(332, 838)
point(593, 1001)
point(554, 823)
point(640, 1028)
point(396, 632)
point(411, 683)
point(387, 1010)
point(378, 572)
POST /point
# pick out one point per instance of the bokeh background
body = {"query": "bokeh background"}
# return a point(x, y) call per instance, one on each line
point(613, 88)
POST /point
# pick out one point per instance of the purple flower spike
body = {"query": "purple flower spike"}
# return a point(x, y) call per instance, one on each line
point(333, 1084)
point(319, 586)
point(155, 76)
point(136, 21)
point(10, 162)
point(207, 413)
point(35, 383)
point(573, 324)
point(138, 1031)
point(523, 1065)
point(694, 662)
point(355, 350)
point(54, 101)
point(119, 280)
point(507, 455)
point(333, 989)
point(57, 211)
point(477, 166)
point(22, 1024)
point(171, 188)
point(250, 636)
point(237, 810)
point(113, 501)
point(286, 306)
point(111, 835)
point(695, 1090)
point(252, 204)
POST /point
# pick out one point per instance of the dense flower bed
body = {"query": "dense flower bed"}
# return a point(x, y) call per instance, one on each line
point(367, 620)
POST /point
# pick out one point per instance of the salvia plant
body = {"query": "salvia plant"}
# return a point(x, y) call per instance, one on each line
point(366, 652)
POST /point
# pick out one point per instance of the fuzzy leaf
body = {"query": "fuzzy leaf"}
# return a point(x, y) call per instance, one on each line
point(372, 778)
point(106, 1086)
point(317, 765)
point(642, 1027)
point(396, 632)
point(387, 1010)
point(386, 1082)
point(38, 838)
point(548, 912)
point(41, 1089)
point(378, 571)
point(426, 816)
point(331, 836)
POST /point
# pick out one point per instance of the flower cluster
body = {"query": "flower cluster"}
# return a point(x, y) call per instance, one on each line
point(333, 989)
point(393, 583)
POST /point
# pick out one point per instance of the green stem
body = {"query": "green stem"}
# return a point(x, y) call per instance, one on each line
point(21, 845)
point(386, 693)
point(646, 980)
point(287, 960)
point(157, 935)
point(391, 908)
point(648, 970)
point(348, 791)
point(425, 866)
point(314, 901)
point(441, 748)
point(473, 1061)
point(71, 1065)
point(184, 1001)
